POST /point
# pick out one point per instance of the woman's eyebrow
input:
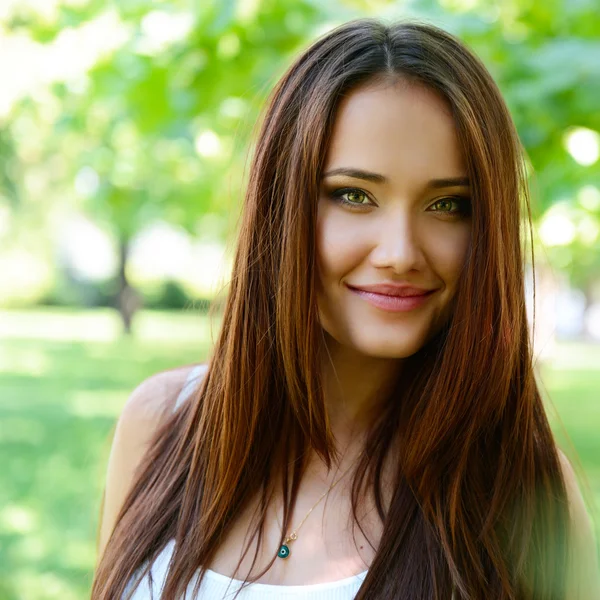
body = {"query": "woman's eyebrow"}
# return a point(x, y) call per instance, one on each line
point(378, 178)
point(357, 174)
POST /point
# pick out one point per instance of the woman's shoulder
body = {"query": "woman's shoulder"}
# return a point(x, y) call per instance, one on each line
point(147, 405)
point(161, 393)
point(584, 572)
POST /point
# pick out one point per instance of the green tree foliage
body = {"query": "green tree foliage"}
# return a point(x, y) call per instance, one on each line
point(160, 125)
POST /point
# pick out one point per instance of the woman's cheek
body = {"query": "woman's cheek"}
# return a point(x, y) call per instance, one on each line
point(342, 241)
point(447, 251)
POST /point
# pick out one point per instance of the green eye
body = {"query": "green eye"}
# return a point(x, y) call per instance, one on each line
point(462, 205)
point(444, 205)
point(355, 196)
point(351, 197)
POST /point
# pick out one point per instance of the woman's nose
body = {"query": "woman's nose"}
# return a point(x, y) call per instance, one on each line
point(396, 244)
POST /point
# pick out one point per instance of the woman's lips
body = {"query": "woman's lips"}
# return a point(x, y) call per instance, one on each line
point(392, 303)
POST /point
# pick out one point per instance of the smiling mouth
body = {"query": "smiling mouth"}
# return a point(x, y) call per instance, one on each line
point(391, 303)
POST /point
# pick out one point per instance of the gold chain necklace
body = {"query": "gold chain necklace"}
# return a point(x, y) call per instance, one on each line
point(284, 550)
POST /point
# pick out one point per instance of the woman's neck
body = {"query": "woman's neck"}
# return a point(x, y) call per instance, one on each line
point(354, 387)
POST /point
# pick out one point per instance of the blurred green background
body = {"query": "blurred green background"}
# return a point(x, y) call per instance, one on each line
point(124, 136)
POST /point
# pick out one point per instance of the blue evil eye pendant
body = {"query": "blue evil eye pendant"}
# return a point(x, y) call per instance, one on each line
point(284, 549)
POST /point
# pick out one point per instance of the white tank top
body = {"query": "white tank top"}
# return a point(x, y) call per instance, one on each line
point(216, 586)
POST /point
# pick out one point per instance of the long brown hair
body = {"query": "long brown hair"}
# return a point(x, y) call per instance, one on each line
point(479, 502)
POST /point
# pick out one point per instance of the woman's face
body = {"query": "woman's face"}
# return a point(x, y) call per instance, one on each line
point(385, 217)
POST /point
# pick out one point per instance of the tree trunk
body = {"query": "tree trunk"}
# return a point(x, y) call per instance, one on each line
point(128, 300)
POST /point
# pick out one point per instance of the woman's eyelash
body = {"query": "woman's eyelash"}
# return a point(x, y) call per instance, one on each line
point(463, 202)
point(339, 194)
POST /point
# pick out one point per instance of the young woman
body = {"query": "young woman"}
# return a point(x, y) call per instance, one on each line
point(368, 425)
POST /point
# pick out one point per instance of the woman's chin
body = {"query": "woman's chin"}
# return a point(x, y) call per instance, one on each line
point(388, 348)
point(391, 352)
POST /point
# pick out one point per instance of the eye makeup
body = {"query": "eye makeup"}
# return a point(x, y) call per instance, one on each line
point(342, 196)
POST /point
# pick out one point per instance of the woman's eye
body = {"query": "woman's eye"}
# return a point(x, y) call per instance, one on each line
point(453, 205)
point(351, 197)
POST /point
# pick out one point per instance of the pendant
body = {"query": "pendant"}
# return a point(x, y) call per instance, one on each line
point(284, 551)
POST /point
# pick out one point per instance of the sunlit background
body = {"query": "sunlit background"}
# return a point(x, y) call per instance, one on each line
point(125, 129)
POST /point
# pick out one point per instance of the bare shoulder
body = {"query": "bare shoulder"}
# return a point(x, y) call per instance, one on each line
point(154, 396)
point(584, 572)
point(146, 407)
point(577, 506)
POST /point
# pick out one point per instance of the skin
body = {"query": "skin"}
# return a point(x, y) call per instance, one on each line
point(398, 230)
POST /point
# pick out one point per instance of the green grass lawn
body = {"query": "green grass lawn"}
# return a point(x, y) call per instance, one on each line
point(64, 376)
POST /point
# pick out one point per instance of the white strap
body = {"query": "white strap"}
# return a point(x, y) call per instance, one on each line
point(190, 384)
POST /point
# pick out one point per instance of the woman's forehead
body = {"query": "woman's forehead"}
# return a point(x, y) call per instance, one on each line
point(395, 129)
